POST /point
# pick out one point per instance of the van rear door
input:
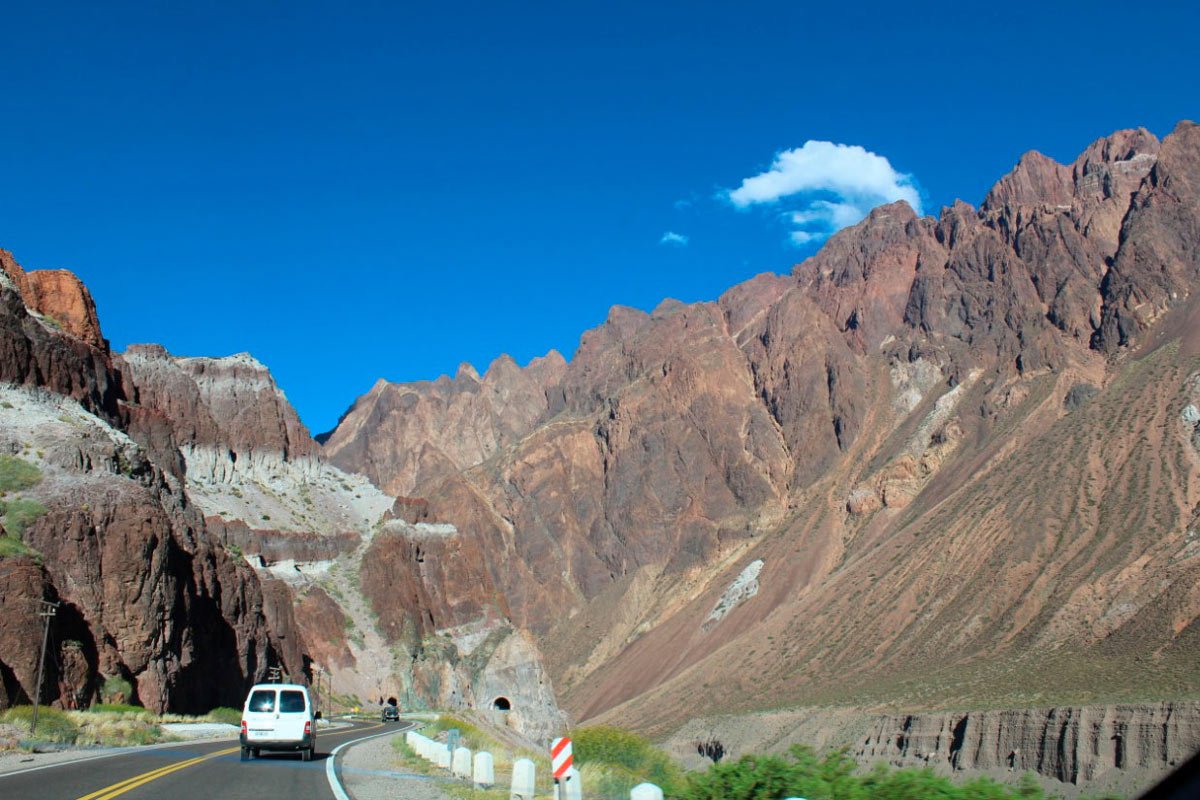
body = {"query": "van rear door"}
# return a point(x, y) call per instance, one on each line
point(261, 713)
point(293, 713)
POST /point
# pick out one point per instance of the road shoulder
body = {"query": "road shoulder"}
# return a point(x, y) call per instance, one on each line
point(371, 770)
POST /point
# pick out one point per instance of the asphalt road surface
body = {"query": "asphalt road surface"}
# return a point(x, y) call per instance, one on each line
point(193, 771)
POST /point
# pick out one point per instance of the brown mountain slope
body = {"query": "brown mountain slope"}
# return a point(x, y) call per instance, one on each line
point(927, 467)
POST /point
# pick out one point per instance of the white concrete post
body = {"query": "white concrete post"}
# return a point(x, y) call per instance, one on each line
point(460, 763)
point(484, 774)
point(571, 788)
point(645, 791)
point(442, 756)
point(522, 780)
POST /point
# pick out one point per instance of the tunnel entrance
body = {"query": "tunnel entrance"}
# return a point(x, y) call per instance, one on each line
point(502, 704)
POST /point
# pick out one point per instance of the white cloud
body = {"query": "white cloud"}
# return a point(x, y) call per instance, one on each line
point(857, 179)
point(671, 237)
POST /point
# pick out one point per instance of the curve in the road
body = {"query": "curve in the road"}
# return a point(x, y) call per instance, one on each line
point(133, 775)
point(335, 783)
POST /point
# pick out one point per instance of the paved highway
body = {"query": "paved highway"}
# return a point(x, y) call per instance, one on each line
point(193, 771)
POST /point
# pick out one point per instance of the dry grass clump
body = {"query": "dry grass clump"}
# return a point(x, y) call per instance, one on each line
point(117, 728)
point(54, 725)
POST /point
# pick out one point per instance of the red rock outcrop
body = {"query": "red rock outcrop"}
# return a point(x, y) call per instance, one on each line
point(37, 355)
point(59, 297)
point(425, 578)
point(230, 404)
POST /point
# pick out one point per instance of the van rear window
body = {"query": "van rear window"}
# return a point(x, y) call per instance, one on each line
point(291, 702)
point(263, 700)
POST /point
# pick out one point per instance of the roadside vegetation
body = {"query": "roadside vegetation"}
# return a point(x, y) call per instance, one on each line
point(836, 777)
point(104, 724)
point(612, 761)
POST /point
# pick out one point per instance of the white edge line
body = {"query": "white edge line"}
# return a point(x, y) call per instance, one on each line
point(331, 772)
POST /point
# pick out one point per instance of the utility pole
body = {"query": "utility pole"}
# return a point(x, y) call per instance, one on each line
point(47, 613)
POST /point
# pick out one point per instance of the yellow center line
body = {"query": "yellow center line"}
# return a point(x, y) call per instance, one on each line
point(124, 786)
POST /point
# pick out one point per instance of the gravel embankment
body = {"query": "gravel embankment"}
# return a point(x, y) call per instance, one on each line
point(371, 771)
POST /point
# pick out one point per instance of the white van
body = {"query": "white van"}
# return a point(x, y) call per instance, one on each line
point(279, 716)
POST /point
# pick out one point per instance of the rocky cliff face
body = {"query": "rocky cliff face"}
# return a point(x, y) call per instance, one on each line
point(145, 593)
point(1083, 746)
point(246, 457)
point(890, 476)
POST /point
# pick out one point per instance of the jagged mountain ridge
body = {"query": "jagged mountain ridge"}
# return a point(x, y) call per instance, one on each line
point(873, 402)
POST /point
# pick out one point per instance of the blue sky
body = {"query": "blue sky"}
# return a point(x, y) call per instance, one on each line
point(365, 190)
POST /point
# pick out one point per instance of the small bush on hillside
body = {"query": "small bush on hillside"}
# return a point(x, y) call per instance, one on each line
point(228, 716)
point(19, 513)
point(11, 546)
point(17, 474)
point(53, 725)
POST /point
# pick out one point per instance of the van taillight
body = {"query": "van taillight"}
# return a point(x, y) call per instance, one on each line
point(308, 727)
point(243, 727)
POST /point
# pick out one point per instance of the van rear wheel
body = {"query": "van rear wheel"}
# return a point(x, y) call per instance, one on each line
point(307, 754)
point(245, 754)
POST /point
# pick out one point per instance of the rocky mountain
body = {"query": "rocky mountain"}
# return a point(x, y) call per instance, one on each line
point(146, 594)
point(388, 604)
point(946, 461)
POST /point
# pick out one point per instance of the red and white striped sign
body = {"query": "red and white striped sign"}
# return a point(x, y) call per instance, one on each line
point(560, 757)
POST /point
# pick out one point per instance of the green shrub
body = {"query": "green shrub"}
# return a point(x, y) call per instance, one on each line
point(469, 735)
point(630, 759)
point(19, 513)
point(17, 474)
point(53, 725)
point(116, 689)
point(12, 546)
point(229, 716)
